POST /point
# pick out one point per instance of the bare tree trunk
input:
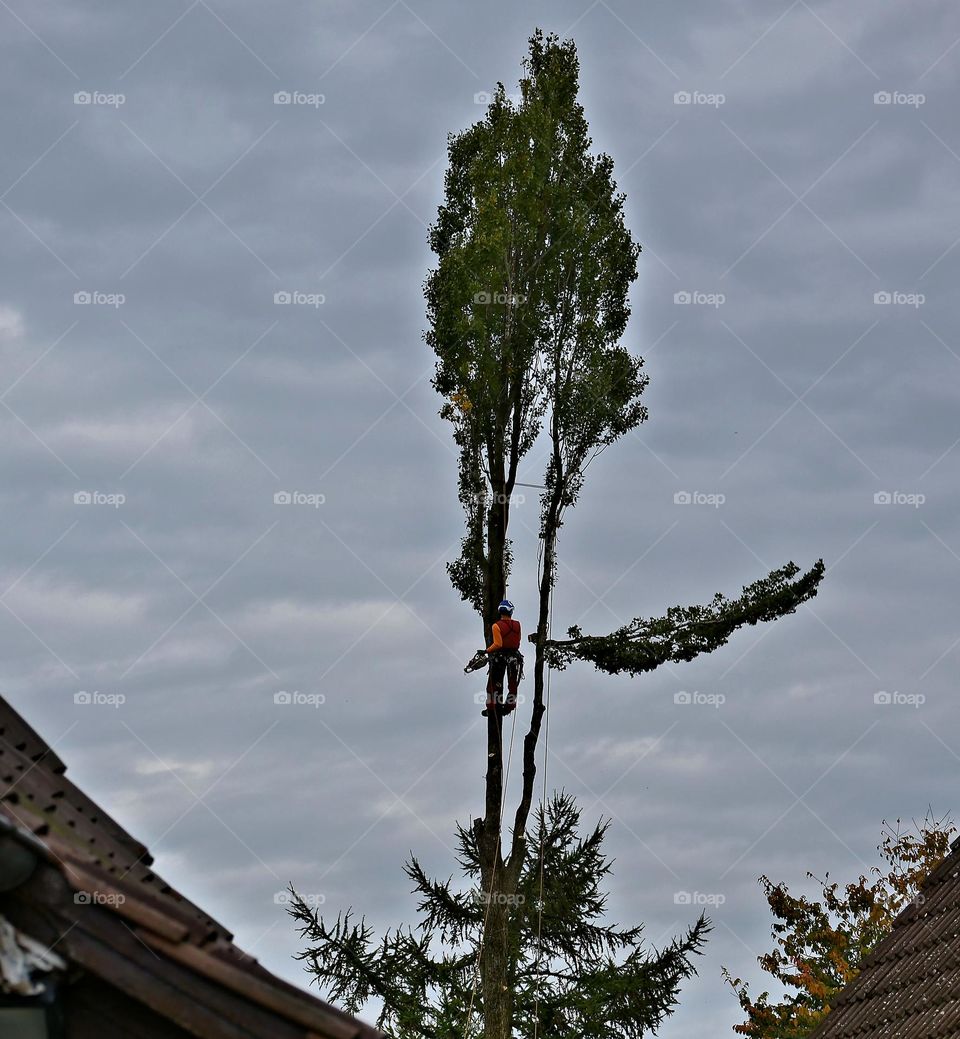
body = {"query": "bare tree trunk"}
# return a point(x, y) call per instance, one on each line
point(498, 521)
point(499, 883)
point(495, 579)
point(495, 973)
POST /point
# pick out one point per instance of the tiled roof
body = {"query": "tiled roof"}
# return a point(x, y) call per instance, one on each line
point(152, 943)
point(909, 986)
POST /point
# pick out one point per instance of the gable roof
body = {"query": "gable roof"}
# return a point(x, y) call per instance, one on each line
point(113, 916)
point(909, 986)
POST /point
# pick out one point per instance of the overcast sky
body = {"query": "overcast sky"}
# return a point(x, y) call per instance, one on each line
point(784, 399)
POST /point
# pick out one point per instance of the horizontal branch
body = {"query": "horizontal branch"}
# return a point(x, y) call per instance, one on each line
point(687, 631)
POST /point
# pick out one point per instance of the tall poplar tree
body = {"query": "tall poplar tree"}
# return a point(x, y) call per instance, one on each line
point(527, 306)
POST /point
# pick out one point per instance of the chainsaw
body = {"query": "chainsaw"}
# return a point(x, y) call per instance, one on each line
point(477, 661)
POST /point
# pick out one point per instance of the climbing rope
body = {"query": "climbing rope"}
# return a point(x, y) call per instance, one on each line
point(543, 827)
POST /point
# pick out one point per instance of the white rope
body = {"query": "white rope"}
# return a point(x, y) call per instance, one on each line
point(543, 827)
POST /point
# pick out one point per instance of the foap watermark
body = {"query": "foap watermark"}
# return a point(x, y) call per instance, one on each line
point(313, 899)
point(299, 299)
point(298, 97)
point(299, 498)
point(98, 898)
point(697, 699)
point(484, 97)
point(899, 498)
point(899, 299)
point(86, 298)
point(699, 97)
point(512, 298)
point(98, 498)
point(489, 498)
point(899, 97)
point(481, 699)
point(94, 698)
point(99, 98)
point(496, 898)
point(698, 898)
point(894, 698)
point(294, 698)
point(699, 498)
point(695, 298)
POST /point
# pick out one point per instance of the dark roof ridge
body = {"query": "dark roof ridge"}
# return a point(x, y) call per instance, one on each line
point(187, 964)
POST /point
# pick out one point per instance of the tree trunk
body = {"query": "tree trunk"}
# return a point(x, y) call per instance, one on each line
point(495, 580)
point(551, 526)
point(495, 973)
point(498, 885)
point(498, 521)
point(498, 882)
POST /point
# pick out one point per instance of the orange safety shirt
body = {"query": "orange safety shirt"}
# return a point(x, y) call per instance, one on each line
point(506, 635)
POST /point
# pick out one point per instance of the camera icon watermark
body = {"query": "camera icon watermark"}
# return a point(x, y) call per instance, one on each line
point(895, 698)
point(496, 898)
point(298, 98)
point(299, 299)
point(714, 500)
point(899, 97)
point(484, 97)
point(481, 699)
point(486, 497)
point(299, 498)
point(313, 899)
point(697, 699)
point(99, 98)
point(695, 298)
point(98, 498)
point(98, 898)
point(915, 500)
point(94, 698)
point(698, 898)
point(84, 298)
point(899, 299)
point(512, 299)
point(294, 698)
point(699, 97)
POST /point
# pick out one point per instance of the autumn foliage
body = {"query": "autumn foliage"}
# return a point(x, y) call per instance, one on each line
point(820, 943)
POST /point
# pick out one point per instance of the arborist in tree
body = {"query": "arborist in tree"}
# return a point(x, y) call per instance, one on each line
point(505, 658)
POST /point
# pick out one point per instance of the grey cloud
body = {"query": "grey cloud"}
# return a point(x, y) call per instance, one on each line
point(312, 607)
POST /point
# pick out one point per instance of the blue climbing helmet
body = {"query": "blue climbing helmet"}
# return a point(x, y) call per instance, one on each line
point(506, 606)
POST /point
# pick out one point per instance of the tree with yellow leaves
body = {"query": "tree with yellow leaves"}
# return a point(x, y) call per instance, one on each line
point(819, 945)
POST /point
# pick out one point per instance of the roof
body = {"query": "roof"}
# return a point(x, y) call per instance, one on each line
point(128, 926)
point(909, 986)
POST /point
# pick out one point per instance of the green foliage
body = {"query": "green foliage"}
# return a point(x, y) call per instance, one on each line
point(687, 631)
point(820, 944)
point(529, 296)
point(526, 307)
point(573, 973)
